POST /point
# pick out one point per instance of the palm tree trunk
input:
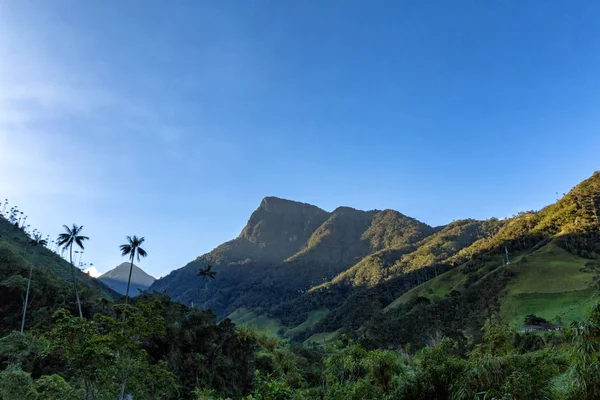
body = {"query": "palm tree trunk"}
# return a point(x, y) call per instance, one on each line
point(75, 281)
point(124, 376)
point(205, 293)
point(129, 280)
point(26, 298)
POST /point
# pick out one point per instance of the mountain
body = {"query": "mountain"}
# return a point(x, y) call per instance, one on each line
point(116, 279)
point(286, 248)
point(388, 278)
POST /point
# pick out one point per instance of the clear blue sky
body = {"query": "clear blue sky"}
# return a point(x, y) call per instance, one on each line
point(172, 119)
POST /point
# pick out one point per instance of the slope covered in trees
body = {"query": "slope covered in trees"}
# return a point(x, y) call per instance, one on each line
point(310, 246)
point(350, 265)
point(50, 284)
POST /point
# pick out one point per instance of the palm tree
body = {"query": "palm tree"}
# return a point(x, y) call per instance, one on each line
point(133, 249)
point(66, 240)
point(206, 273)
point(35, 242)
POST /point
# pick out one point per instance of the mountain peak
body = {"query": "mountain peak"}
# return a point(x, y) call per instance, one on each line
point(279, 219)
point(117, 279)
point(272, 203)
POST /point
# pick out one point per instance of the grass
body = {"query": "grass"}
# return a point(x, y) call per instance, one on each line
point(550, 270)
point(445, 283)
point(322, 338)
point(314, 317)
point(437, 287)
point(271, 326)
point(562, 307)
point(248, 318)
point(550, 283)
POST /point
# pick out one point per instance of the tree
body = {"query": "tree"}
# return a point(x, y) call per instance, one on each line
point(133, 249)
point(584, 373)
point(35, 242)
point(206, 273)
point(66, 240)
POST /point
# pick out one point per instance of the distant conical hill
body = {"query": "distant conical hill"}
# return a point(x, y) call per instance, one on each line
point(117, 278)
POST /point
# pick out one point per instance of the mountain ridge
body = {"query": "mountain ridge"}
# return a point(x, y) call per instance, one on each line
point(306, 238)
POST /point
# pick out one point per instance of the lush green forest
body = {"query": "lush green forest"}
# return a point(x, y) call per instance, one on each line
point(380, 306)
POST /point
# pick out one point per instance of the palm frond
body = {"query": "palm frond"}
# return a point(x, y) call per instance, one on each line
point(64, 239)
point(141, 253)
point(125, 249)
point(70, 236)
point(207, 272)
point(79, 240)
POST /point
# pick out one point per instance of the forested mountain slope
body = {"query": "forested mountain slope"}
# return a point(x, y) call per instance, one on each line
point(50, 285)
point(285, 249)
point(365, 272)
point(551, 270)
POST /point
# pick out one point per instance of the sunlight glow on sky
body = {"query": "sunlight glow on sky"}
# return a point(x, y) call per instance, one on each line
point(171, 120)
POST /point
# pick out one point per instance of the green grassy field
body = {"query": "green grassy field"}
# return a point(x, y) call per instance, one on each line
point(550, 270)
point(447, 282)
point(322, 338)
point(550, 283)
point(314, 317)
point(248, 318)
point(562, 307)
point(273, 327)
point(440, 287)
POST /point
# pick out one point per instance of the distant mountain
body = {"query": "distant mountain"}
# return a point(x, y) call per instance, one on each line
point(117, 278)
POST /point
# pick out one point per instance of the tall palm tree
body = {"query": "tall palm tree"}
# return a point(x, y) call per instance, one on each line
point(206, 273)
point(132, 249)
point(34, 243)
point(66, 240)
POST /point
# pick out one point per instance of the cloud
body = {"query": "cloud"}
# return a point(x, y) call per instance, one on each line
point(92, 271)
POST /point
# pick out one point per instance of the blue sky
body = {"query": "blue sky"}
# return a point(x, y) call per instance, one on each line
point(172, 120)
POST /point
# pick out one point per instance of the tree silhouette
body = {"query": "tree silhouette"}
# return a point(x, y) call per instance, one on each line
point(35, 242)
point(133, 249)
point(206, 273)
point(66, 240)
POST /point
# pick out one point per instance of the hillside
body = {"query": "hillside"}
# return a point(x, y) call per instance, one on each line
point(366, 272)
point(51, 282)
point(553, 273)
point(310, 246)
point(117, 278)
